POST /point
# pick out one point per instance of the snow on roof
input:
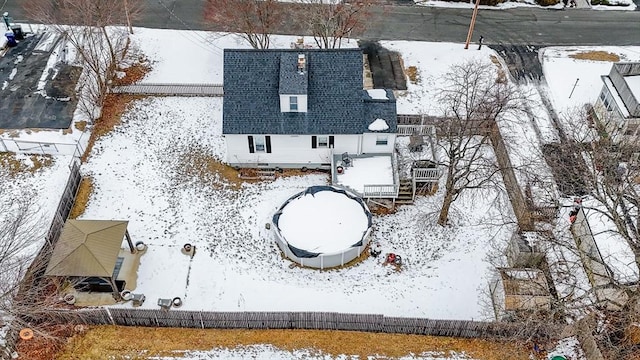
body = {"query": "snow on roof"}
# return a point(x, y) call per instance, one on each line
point(48, 40)
point(634, 85)
point(379, 94)
point(378, 125)
point(324, 222)
point(376, 170)
point(616, 97)
point(615, 251)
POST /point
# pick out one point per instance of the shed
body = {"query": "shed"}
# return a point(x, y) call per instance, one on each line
point(520, 289)
point(523, 250)
point(88, 251)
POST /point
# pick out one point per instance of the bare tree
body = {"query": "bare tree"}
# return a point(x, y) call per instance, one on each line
point(85, 25)
point(473, 100)
point(330, 21)
point(253, 20)
point(26, 296)
point(611, 174)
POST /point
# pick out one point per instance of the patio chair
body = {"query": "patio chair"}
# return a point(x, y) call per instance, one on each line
point(346, 160)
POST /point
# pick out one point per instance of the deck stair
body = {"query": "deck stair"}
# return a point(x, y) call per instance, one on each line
point(258, 174)
point(266, 173)
point(406, 192)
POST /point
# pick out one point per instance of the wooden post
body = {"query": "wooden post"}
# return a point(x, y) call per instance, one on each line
point(126, 12)
point(472, 25)
point(114, 288)
point(131, 248)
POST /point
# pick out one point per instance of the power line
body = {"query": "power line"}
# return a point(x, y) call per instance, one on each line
point(216, 49)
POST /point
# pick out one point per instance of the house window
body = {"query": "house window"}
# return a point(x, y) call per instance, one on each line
point(259, 143)
point(322, 141)
point(607, 103)
point(382, 140)
point(293, 103)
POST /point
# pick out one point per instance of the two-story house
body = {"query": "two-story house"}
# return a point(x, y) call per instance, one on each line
point(618, 106)
point(296, 108)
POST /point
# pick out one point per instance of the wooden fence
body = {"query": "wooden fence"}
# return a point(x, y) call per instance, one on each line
point(171, 89)
point(297, 320)
point(37, 267)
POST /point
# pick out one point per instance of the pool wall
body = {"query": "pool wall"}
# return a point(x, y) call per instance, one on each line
point(322, 260)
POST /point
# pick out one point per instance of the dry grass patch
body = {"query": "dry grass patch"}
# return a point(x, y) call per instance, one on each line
point(413, 74)
point(82, 197)
point(13, 165)
point(114, 106)
point(40, 161)
point(107, 342)
point(209, 170)
point(80, 125)
point(39, 348)
point(134, 73)
point(596, 56)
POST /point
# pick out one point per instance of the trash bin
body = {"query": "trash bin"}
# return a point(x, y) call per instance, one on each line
point(11, 39)
point(17, 31)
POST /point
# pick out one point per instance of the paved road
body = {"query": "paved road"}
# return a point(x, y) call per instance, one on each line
point(531, 26)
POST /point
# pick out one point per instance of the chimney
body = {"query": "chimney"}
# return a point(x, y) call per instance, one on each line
point(301, 62)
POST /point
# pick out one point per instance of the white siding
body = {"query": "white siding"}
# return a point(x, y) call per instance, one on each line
point(285, 104)
point(369, 143)
point(287, 149)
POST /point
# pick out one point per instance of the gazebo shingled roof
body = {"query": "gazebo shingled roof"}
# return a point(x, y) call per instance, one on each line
point(87, 248)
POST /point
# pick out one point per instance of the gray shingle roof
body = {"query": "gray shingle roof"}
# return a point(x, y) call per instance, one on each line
point(337, 104)
point(293, 81)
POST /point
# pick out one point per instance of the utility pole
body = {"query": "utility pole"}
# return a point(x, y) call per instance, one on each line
point(473, 23)
point(126, 12)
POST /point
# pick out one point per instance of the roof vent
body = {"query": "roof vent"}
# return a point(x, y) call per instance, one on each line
point(301, 62)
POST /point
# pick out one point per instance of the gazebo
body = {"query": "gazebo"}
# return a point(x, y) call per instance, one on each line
point(88, 251)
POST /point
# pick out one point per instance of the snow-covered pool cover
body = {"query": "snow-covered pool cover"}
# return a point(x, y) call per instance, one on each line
point(322, 220)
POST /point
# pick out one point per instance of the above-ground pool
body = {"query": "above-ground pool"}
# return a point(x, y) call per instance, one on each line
point(322, 227)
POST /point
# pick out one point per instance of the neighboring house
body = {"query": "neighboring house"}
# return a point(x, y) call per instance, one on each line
point(618, 106)
point(296, 108)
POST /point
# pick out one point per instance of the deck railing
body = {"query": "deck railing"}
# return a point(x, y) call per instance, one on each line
point(425, 130)
point(427, 174)
point(381, 191)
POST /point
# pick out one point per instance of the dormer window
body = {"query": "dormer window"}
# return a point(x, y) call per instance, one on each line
point(293, 103)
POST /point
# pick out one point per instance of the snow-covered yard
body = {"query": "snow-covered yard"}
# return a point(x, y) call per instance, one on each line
point(140, 175)
point(40, 180)
point(144, 172)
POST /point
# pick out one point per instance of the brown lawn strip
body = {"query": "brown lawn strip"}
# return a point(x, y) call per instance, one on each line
point(82, 198)
point(39, 348)
point(113, 108)
point(596, 55)
point(116, 342)
point(12, 165)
